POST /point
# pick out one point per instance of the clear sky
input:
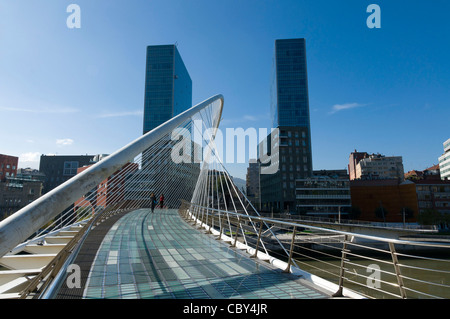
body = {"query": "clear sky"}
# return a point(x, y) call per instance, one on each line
point(81, 91)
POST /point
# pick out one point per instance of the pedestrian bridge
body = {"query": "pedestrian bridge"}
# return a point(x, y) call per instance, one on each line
point(96, 235)
point(158, 255)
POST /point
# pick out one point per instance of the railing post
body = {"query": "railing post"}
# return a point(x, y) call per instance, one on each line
point(258, 239)
point(347, 239)
point(221, 226)
point(397, 270)
point(197, 216)
point(207, 215)
point(237, 231)
point(212, 223)
point(291, 251)
point(202, 217)
point(191, 213)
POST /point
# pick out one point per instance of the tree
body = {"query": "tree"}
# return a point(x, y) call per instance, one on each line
point(381, 212)
point(429, 217)
point(409, 213)
point(354, 212)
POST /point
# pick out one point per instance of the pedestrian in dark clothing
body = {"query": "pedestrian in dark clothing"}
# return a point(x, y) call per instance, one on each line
point(161, 201)
point(153, 201)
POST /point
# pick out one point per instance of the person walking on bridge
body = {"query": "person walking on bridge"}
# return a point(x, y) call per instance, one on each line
point(161, 201)
point(152, 201)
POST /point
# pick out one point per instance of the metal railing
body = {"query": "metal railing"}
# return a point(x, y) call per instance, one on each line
point(46, 282)
point(347, 264)
point(346, 221)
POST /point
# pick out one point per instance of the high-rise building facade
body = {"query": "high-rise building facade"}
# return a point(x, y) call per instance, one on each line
point(168, 86)
point(168, 92)
point(444, 161)
point(290, 100)
point(290, 115)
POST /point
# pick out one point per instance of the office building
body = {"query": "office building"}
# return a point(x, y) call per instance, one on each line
point(168, 86)
point(16, 193)
point(60, 168)
point(325, 194)
point(168, 92)
point(8, 166)
point(290, 115)
point(444, 161)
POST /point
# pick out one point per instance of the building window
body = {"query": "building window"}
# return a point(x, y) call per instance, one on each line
point(70, 168)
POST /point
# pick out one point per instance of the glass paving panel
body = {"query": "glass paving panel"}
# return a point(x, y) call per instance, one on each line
point(153, 256)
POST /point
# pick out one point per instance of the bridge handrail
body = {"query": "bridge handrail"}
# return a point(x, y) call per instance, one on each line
point(363, 223)
point(348, 244)
point(318, 228)
point(18, 227)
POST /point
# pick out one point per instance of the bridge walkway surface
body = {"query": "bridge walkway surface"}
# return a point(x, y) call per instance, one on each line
point(158, 255)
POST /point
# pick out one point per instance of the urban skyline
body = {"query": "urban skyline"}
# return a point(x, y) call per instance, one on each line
point(81, 91)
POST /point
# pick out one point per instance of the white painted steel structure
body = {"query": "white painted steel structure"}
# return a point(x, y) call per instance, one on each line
point(35, 235)
point(38, 242)
point(18, 227)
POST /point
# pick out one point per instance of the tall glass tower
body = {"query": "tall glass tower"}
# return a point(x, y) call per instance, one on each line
point(290, 114)
point(290, 103)
point(168, 92)
point(168, 86)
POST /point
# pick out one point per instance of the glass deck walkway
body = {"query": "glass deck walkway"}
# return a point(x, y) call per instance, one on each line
point(160, 256)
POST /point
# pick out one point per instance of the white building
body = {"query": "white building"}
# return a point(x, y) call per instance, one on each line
point(444, 161)
point(378, 166)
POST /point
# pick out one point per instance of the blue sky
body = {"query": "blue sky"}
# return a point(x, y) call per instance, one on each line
point(81, 91)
